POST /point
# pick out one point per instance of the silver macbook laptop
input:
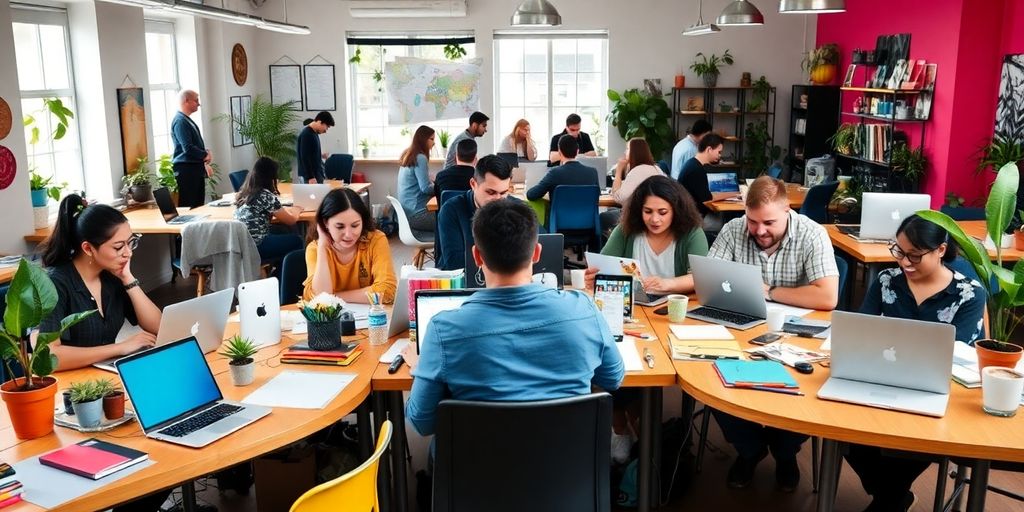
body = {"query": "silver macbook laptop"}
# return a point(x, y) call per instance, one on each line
point(533, 172)
point(184, 406)
point(599, 164)
point(552, 261)
point(882, 214)
point(259, 311)
point(309, 196)
point(203, 317)
point(730, 293)
point(169, 211)
point(399, 321)
point(432, 302)
point(891, 363)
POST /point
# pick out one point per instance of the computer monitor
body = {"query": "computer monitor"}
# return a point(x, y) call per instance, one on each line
point(723, 182)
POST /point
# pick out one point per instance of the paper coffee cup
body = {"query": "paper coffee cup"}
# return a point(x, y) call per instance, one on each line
point(577, 277)
point(776, 318)
point(677, 305)
point(1001, 389)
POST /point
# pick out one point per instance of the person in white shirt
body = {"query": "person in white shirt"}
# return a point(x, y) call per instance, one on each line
point(686, 148)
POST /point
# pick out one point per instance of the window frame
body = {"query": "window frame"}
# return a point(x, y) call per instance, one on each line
point(160, 128)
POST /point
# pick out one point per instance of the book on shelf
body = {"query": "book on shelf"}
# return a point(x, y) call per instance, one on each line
point(93, 458)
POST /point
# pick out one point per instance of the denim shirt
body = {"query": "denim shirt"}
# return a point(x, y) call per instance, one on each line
point(516, 343)
point(414, 186)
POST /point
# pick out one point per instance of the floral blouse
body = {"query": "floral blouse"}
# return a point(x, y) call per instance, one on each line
point(256, 215)
point(961, 304)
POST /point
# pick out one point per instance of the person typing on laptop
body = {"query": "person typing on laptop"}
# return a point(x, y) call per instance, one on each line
point(570, 172)
point(799, 268)
point(492, 180)
point(257, 203)
point(537, 343)
point(921, 287)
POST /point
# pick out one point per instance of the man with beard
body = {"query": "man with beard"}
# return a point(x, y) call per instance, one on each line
point(799, 268)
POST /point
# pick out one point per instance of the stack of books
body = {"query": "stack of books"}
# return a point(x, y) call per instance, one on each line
point(93, 458)
point(341, 356)
point(10, 488)
point(430, 279)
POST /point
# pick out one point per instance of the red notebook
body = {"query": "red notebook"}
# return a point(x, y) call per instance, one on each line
point(93, 458)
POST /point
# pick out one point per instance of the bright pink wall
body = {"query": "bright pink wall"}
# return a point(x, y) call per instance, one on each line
point(1013, 27)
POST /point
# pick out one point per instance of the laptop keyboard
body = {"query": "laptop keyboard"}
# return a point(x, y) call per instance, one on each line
point(203, 419)
point(725, 316)
point(182, 219)
point(849, 230)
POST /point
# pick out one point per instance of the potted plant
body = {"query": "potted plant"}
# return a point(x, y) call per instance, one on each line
point(243, 367)
point(29, 399)
point(113, 403)
point(998, 152)
point(638, 114)
point(271, 127)
point(724, 107)
point(759, 97)
point(444, 137)
point(1004, 286)
point(165, 176)
point(908, 166)
point(759, 152)
point(846, 139)
point(87, 400)
point(42, 190)
point(821, 64)
point(323, 320)
point(708, 67)
point(139, 183)
point(365, 145)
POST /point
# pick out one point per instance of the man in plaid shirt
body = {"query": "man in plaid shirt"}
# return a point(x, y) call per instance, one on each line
point(798, 267)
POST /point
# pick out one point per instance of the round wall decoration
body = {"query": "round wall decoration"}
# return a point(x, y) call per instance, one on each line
point(239, 64)
point(5, 119)
point(8, 167)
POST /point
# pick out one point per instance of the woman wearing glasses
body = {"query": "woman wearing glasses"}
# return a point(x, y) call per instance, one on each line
point(923, 288)
point(88, 257)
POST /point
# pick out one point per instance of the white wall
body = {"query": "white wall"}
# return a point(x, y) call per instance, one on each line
point(17, 208)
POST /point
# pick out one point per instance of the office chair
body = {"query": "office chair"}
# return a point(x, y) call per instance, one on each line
point(775, 171)
point(963, 212)
point(563, 464)
point(574, 214)
point(339, 167)
point(665, 167)
point(238, 178)
point(844, 272)
point(816, 203)
point(355, 490)
point(421, 241)
point(445, 196)
point(293, 273)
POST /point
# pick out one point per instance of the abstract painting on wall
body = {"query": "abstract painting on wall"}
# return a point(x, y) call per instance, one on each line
point(1010, 109)
point(131, 109)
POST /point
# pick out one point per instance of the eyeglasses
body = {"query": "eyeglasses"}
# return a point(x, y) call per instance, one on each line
point(132, 243)
point(898, 253)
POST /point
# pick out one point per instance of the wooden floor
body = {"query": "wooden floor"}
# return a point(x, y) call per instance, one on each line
point(706, 492)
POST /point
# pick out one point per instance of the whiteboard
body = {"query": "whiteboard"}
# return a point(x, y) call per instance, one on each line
point(286, 85)
point(319, 81)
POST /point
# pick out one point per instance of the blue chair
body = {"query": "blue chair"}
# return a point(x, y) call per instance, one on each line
point(293, 273)
point(816, 203)
point(844, 272)
point(238, 178)
point(775, 171)
point(574, 214)
point(963, 212)
point(339, 167)
point(665, 167)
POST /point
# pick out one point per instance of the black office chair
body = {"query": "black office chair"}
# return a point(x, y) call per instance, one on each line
point(844, 271)
point(816, 203)
point(238, 178)
point(963, 212)
point(339, 167)
point(550, 455)
point(445, 196)
point(293, 273)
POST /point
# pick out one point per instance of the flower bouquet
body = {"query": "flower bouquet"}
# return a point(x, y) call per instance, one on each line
point(323, 318)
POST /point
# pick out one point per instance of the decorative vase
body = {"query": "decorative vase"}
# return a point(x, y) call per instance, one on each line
point(113, 405)
point(89, 414)
point(141, 193)
point(823, 74)
point(39, 197)
point(680, 81)
point(1018, 240)
point(710, 80)
point(745, 79)
point(31, 412)
point(40, 217)
point(324, 335)
point(243, 374)
point(988, 355)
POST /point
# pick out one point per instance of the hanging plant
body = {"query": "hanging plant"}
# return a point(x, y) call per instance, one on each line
point(454, 51)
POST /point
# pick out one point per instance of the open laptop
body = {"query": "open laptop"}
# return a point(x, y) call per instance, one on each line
point(730, 293)
point(533, 172)
point(203, 317)
point(882, 213)
point(183, 406)
point(723, 182)
point(309, 196)
point(552, 261)
point(169, 211)
point(399, 321)
point(259, 311)
point(432, 302)
point(599, 164)
point(891, 363)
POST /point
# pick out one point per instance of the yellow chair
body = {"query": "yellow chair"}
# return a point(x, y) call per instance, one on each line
point(355, 490)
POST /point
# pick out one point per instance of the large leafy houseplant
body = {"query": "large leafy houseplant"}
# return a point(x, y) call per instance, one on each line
point(759, 150)
point(638, 114)
point(908, 165)
point(999, 152)
point(272, 131)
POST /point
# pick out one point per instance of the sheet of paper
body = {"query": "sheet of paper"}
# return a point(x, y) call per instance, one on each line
point(127, 331)
point(49, 487)
point(396, 348)
point(630, 355)
point(826, 346)
point(612, 265)
point(790, 310)
point(701, 332)
point(300, 390)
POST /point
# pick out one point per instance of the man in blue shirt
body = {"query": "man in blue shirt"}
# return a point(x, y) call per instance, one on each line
point(514, 340)
point(492, 180)
point(307, 149)
point(191, 158)
point(570, 172)
point(686, 148)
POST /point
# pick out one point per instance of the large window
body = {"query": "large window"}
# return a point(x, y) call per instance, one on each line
point(43, 51)
point(545, 77)
point(163, 83)
point(370, 101)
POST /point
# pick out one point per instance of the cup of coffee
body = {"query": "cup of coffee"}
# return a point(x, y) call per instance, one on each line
point(776, 318)
point(677, 305)
point(1001, 389)
point(577, 277)
point(743, 192)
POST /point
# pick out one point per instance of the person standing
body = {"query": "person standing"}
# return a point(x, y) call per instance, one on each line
point(191, 159)
point(477, 128)
point(572, 127)
point(307, 149)
point(686, 148)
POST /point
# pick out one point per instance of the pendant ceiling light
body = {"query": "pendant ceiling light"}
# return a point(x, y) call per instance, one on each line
point(811, 6)
point(740, 13)
point(536, 13)
point(700, 28)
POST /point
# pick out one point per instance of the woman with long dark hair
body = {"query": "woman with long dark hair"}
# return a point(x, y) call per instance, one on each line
point(347, 256)
point(257, 204)
point(414, 185)
point(88, 257)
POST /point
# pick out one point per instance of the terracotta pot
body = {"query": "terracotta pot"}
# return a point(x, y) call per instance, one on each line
point(990, 357)
point(680, 81)
point(31, 411)
point(823, 74)
point(1018, 240)
point(113, 405)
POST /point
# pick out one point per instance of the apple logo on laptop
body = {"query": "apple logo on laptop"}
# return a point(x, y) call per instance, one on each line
point(262, 310)
point(889, 354)
point(195, 329)
point(726, 286)
point(312, 196)
point(895, 215)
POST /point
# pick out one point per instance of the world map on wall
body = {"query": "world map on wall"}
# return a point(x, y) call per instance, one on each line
point(423, 90)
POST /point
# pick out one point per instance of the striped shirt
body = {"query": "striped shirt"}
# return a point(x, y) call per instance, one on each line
point(804, 255)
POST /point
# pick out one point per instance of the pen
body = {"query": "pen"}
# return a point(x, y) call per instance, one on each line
point(649, 357)
point(784, 391)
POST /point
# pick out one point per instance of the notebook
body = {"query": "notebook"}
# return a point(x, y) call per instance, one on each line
point(745, 374)
point(93, 458)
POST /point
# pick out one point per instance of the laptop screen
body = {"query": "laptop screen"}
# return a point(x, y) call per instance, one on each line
point(723, 182)
point(430, 303)
point(166, 204)
point(551, 261)
point(147, 380)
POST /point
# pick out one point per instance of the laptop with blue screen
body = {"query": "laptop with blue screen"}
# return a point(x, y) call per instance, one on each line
point(183, 406)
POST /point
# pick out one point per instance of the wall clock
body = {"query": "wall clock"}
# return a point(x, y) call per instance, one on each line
point(5, 119)
point(239, 64)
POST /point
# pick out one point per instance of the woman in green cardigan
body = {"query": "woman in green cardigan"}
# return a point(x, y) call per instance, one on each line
point(660, 228)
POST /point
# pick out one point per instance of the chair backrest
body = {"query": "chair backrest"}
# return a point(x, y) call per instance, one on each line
point(816, 202)
point(665, 167)
point(775, 171)
point(339, 167)
point(844, 271)
point(226, 245)
point(355, 490)
point(552, 455)
point(449, 194)
point(963, 212)
point(574, 207)
point(293, 273)
point(238, 178)
point(404, 229)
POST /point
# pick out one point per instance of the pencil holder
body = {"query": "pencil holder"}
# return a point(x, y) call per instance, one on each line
point(324, 335)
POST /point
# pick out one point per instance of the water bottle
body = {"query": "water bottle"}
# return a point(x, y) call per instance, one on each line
point(378, 320)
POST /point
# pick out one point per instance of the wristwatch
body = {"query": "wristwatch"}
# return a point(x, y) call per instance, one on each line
point(131, 285)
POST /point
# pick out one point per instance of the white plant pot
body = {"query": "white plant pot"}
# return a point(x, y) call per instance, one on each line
point(89, 414)
point(40, 217)
point(244, 374)
point(1006, 242)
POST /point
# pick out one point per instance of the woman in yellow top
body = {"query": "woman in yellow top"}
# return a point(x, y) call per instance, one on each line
point(348, 257)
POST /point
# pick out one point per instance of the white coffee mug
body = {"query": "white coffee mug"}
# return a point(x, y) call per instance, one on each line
point(1001, 389)
point(578, 278)
point(776, 317)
